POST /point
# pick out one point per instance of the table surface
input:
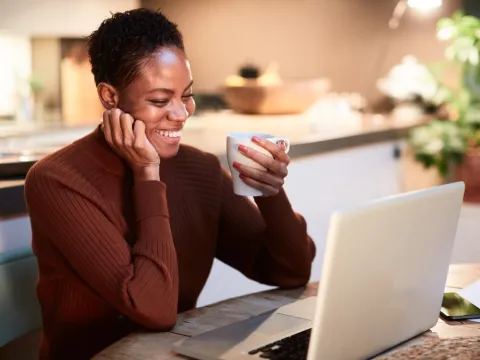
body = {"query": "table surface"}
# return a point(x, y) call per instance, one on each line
point(155, 346)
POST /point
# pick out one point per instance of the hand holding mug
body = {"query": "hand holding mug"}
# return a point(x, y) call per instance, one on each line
point(266, 168)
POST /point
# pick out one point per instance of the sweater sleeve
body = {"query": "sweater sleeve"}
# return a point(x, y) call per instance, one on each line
point(142, 281)
point(266, 241)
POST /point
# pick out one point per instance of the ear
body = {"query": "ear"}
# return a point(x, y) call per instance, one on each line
point(108, 95)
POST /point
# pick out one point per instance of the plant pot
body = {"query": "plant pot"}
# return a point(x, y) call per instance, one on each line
point(469, 172)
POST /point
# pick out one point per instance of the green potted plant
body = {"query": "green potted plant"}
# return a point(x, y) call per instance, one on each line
point(37, 88)
point(450, 141)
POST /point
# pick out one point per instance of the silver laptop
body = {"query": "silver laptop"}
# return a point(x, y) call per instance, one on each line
point(382, 283)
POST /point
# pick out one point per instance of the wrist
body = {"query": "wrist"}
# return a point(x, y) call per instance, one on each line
point(147, 173)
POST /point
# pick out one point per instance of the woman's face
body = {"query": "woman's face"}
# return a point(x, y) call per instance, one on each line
point(161, 96)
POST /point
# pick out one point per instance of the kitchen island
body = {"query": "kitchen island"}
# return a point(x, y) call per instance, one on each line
point(310, 134)
point(336, 162)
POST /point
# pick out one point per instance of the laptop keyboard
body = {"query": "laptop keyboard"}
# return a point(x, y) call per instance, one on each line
point(294, 347)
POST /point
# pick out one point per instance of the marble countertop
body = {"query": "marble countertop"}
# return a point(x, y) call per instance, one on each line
point(209, 132)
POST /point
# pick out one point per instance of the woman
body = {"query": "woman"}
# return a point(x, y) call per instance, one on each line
point(126, 222)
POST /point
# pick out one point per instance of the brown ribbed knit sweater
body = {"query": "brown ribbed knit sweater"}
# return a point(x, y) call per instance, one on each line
point(115, 256)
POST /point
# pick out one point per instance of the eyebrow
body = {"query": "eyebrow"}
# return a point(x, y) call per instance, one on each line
point(170, 91)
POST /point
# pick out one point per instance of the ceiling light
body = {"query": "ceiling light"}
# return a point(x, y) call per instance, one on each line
point(424, 4)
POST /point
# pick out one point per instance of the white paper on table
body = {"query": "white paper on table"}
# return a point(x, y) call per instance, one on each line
point(471, 293)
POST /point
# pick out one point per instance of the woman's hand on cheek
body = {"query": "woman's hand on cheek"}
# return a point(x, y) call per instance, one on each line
point(269, 182)
point(128, 138)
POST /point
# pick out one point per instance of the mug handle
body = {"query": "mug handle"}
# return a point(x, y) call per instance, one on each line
point(280, 140)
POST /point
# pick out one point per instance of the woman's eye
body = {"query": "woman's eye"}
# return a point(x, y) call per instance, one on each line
point(165, 101)
point(159, 102)
point(188, 96)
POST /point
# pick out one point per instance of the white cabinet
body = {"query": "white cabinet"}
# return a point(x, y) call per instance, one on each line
point(316, 186)
point(15, 233)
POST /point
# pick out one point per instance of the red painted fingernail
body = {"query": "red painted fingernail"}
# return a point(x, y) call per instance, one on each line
point(242, 148)
point(236, 165)
point(256, 139)
point(243, 177)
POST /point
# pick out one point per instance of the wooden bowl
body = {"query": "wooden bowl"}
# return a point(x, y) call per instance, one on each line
point(290, 97)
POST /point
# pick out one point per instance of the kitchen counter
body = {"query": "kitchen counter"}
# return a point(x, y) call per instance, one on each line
point(309, 134)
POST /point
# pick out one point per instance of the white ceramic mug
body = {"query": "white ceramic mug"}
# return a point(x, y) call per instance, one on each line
point(234, 155)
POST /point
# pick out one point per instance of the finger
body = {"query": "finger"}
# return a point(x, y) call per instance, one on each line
point(265, 189)
point(259, 175)
point(140, 137)
point(126, 124)
point(107, 131)
point(278, 151)
point(271, 164)
point(116, 131)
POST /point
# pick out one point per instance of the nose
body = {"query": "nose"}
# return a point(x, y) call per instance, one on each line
point(178, 112)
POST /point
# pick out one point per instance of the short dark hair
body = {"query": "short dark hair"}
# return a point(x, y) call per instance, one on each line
point(123, 41)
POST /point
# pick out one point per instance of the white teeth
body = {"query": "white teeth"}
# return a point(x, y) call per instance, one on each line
point(171, 134)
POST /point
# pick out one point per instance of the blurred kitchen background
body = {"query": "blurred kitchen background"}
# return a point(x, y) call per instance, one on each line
point(345, 42)
point(377, 96)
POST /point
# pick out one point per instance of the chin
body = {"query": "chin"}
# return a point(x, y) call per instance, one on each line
point(168, 153)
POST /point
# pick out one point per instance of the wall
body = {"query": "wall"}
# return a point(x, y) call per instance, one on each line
point(340, 39)
point(58, 17)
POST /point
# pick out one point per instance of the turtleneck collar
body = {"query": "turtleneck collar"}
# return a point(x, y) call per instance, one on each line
point(105, 156)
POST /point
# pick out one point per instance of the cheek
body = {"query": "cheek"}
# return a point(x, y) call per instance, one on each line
point(150, 115)
point(191, 106)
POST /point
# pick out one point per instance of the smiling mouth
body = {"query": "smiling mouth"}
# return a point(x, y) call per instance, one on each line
point(170, 133)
